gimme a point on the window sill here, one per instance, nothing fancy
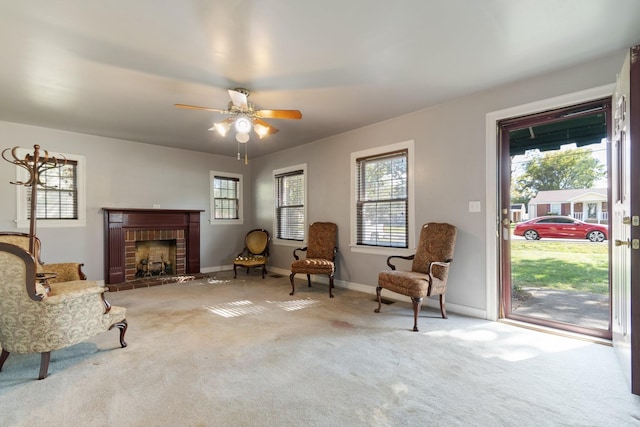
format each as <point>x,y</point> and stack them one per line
<point>381,250</point>
<point>226,221</point>
<point>291,243</point>
<point>52,223</point>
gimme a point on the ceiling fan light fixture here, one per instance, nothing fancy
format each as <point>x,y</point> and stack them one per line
<point>262,131</point>
<point>242,137</point>
<point>221,127</point>
<point>242,124</point>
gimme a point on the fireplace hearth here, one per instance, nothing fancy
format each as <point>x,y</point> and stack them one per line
<point>150,229</point>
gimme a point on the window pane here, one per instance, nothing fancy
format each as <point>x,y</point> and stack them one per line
<point>290,206</point>
<point>226,196</point>
<point>382,204</point>
<point>57,198</point>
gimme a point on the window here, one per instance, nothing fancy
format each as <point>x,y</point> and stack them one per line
<point>290,204</point>
<point>382,202</point>
<point>555,209</point>
<point>61,198</point>
<point>226,198</point>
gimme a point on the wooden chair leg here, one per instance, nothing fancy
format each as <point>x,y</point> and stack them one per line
<point>3,358</point>
<point>417,305</point>
<point>235,273</point>
<point>331,286</point>
<point>378,292</point>
<point>443,311</point>
<point>44,364</point>
<point>264,270</point>
<point>123,330</point>
<point>309,280</point>
<point>293,287</point>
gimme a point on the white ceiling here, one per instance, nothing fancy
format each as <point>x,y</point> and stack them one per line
<point>115,68</point>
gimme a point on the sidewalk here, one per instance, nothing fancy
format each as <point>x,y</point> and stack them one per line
<point>579,308</point>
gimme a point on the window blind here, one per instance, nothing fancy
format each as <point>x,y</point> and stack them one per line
<point>57,198</point>
<point>226,197</point>
<point>382,200</point>
<point>290,205</point>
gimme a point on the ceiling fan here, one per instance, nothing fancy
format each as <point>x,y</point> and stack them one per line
<point>245,117</point>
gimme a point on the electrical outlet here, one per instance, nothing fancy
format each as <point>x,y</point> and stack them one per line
<point>474,206</point>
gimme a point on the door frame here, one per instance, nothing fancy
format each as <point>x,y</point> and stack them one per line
<point>557,116</point>
<point>492,153</point>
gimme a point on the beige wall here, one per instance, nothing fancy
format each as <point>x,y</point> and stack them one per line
<point>451,167</point>
<point>450,162</point>
<point>123,174</point>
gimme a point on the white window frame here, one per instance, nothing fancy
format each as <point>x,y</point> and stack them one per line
<point>411,225</point>
<point>275,240</point>
<point>22,210</point>
<point>555,208</point>
<point>212,220</point>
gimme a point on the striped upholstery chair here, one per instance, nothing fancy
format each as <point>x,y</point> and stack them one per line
<point>321,254</point>
<point>429,270</point>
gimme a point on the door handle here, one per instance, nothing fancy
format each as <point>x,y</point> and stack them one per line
<point>622,242</point>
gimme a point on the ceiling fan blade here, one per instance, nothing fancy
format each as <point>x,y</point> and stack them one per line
<point>195,107</point>
<point>279,114</point>
<point>238,99</point>
<point>263,128</point>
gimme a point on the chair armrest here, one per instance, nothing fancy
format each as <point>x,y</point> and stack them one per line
<point>298,249</point>
<point>72,294</point>
<point>65,271</point>
<point>244,251</point>
<point>444,264</point>
<point>393,267</point>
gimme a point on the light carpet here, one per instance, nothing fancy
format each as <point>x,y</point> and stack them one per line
<point>225,352</point>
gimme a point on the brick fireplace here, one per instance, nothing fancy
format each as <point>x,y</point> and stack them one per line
<point>124,227</point>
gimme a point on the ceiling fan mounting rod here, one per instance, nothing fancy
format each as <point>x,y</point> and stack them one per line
<point>243,91</point>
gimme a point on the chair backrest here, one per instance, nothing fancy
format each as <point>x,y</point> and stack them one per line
<point>323,238</point>
<point>437,242</point>
<point>17,285</point>
<point>257,241</point>
<point>22,240</point>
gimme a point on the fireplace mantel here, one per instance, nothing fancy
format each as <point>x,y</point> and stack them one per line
<point>121,224</point>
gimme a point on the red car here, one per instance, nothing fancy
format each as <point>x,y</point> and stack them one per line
<point>560,227</point>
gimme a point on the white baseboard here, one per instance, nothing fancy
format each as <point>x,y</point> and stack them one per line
<point>368,289</point>
<point>216,269</point>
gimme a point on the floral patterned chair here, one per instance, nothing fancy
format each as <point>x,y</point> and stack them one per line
<point>429,270</point>
<point>321,254</point>
<point>255,253</point>
<point>63,272</point>
<point>36,320</point>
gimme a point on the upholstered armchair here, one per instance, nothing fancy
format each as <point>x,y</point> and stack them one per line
<point>36,319</point>
<point>255,253</point>
<point>321,254</point>
<point>429,269</point>
<point>63,272</point>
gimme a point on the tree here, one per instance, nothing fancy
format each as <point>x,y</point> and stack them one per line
<point>557,170</point>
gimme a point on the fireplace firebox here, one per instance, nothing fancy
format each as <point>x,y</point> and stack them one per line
<point>124,228</point>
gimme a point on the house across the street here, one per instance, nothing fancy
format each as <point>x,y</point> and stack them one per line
<point>589,204</point>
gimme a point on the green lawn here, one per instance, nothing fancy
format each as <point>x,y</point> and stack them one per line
<point>560,265</point>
